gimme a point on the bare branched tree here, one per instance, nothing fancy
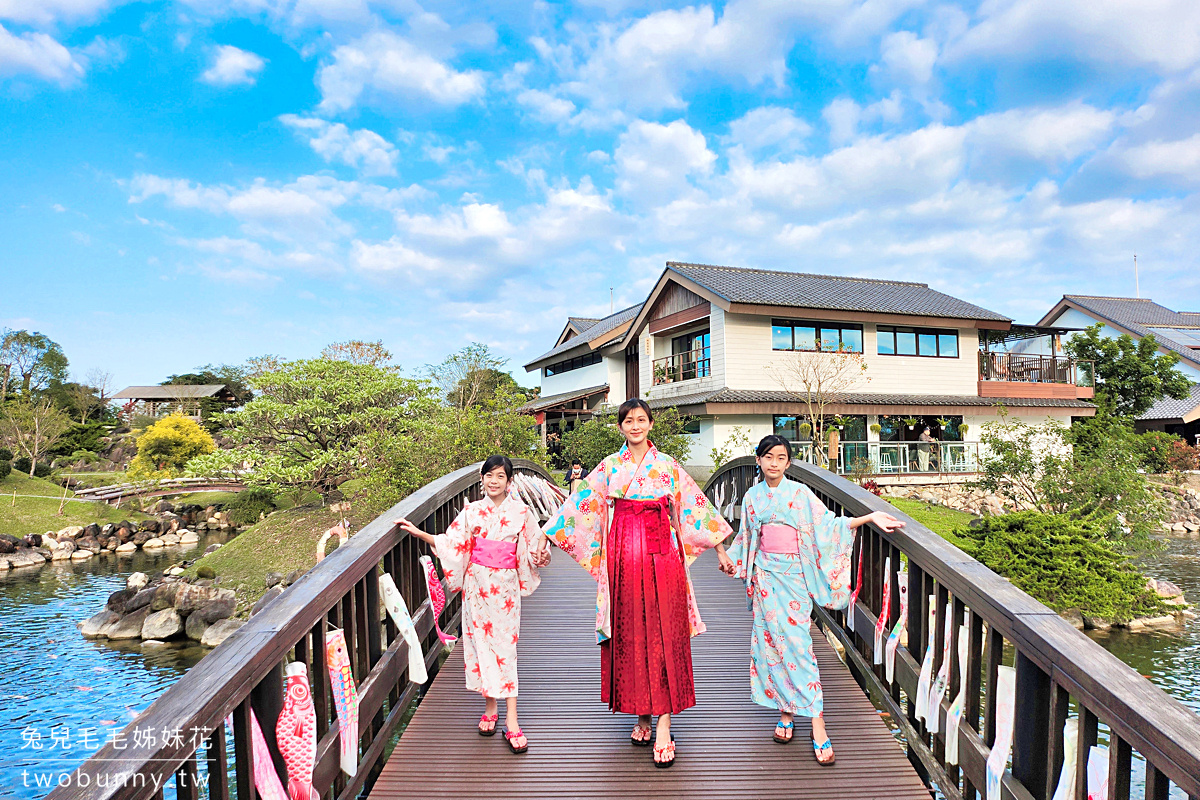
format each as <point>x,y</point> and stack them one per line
<point>465,376</point>
<point>816,379</point>
<point>356,351</point>
<point>101,382</point>
<point>32,427</point>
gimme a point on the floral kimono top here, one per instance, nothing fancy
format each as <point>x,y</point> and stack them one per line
<point>826,540</point>
<point>511,521</point>
<point>581,526</point>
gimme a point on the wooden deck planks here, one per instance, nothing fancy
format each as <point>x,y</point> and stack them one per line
<point>578,749</point>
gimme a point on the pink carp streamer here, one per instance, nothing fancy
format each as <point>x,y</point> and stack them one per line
<point>345,698</point>
<point>437,598</point>
<point>854,594</point>
<point>881,620</point>
<point>266,779</point>
<point>296,733</point>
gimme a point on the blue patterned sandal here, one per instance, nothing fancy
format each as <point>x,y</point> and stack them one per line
<point>786,727</point>
<point>820,748</point>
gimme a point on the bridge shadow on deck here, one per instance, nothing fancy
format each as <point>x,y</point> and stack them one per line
<point>578,749</point>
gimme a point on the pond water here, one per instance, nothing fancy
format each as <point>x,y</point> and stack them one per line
<point>61,691</point>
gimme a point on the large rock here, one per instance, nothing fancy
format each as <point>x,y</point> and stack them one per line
<point>98,625</point>
<point>130,625</point>
<point>33,540</point>
<point>268,597</point>
<point>137,581</point>
<point>117,601</point>
<point>170,539</point>
<point>81,555</point>
<point>93,530</point>
<point>220,631</point>
<point>153,544</point>
<point>5,565</point>
<point>124,535</point>
<point>141,537</point>
<point>8,544</point>
<point>221,606</point>
<point>64,550</point>
<point>140,600</point>
<point>128,547</point>
<point>164,596</point>
<point>149,525</point>
<point>188,537</point>
<point>162,624</point>
<point>25,557</point>
<point>190,597</point>
<point>195,626</point>
<point>88,543</point>
<point>71,531</point>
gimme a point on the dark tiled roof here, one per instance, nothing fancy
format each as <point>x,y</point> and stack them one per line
<point>549,401</point>
<point>867,399</point>
<point>170,392</point>
<point>1170,408</point>
<point>1141,316</point>
<point>594,332</point>
<point>582,323</point>
<point>833,292</point>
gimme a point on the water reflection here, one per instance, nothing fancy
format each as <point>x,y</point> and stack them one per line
<point>63,692</point>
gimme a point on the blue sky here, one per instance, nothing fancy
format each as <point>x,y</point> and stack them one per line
<point>210,180</point>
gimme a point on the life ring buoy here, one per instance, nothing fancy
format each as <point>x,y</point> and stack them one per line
<point>341,530</point>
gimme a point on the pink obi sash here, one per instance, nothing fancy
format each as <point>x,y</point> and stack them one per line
<point>776,538</point>
<point>493,553</point>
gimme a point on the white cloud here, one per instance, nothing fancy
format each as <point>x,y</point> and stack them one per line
<point>1158,159</point>
<point>232,66</point>
<point>767,127</point>
<point>908,57</point>
<point>1162,34</point>
<point>843,115</point>
<point>1048,135</point>
<point>386,64</point>
<point>38,55</point>
<point>362,149</point>
<point>546,106</point>
<point>48,12</point>
<point>655,162</point>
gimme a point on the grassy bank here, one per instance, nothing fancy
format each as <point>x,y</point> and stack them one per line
<point>283,542</point>
<point>939,519</point>
<point>38,512</point>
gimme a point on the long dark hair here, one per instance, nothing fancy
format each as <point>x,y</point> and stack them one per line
<point>497,461</point>
<point>629,405</point>
<point>772,441</point>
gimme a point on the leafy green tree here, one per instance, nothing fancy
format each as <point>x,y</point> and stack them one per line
<point>31,358</point>
<point>32,427</point>
<point>304,429</point>
<point>1131,375</point>
<point>600,437</point>
<point>473,375</point>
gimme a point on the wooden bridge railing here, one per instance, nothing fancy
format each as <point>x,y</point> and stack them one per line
<point>186,724</point>
<point>1057,667</point>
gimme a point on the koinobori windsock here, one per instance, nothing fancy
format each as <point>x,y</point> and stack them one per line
<point>296,733</point>
<point>394,603</point>
<point>345,698</point>
<point>437,598</point>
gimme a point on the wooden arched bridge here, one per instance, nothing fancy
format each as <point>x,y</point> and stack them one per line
<point>116,494</point>
<point>577,749</point>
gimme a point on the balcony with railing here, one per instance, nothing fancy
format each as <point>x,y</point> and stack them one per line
<point>884,459</point>
<point>685,366</point>
<point>1024,362</point>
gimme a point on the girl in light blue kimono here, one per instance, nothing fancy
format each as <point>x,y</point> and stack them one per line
<point>791,551</point>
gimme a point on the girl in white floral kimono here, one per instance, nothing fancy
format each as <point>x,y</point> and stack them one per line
<point>491,552</point>
<point>791,551</point>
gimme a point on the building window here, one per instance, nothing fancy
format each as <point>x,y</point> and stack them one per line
<point>690,353</point>
<point>787,334</point>
<point>854,427</point>
<point>573,363</point>
<point>692,425</point>
<point>928,342</point>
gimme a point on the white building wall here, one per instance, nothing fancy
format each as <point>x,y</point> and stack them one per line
<point>1074,318</point>
<point>582,378</point>
<point>748,355</point>
<point>615,367</point>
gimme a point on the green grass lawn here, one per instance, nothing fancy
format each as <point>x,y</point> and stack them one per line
<point>36,514</point>
<point>939,519</point>
<point>90,480</point>
<point>283,542</point>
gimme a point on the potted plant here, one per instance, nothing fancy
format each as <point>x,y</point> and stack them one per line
<point>876,428</point>
<point>911,422</point>
<point>660,374</point>
<point>962,430</point>
<point>943,423</point>
<point>839,422</point>
<point>805,430</point>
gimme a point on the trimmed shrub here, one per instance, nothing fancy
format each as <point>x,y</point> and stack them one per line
<point>5,469</point>
<point>5,454</point>
<point>22,464</point>
<point>1062,562</point>
<point>41,470</point>
<point>167,446</point>
<point>1154,450</point>
<point>249,504</point>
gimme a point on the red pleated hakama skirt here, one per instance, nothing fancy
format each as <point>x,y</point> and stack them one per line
<point>646,667</point>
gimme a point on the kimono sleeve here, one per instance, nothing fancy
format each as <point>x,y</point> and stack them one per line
<point>828,573</point>
<point>739,551</point>
<point>701,526</point>
<point>528,541</point>
<point>579,526</point>
<point>453,549</point>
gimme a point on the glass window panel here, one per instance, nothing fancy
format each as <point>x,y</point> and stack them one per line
<point>831,339</point>
<point>906,343</point>
<point>692,426</point>
<point>852,340</point>
<point>854,428</point>
<point>889,429</point>
<point>927,344</point>
<point>948,345</point>
<point>786,427</point>
<point>886,340</point>
<point>805,338</point>
<point>781,337</point>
